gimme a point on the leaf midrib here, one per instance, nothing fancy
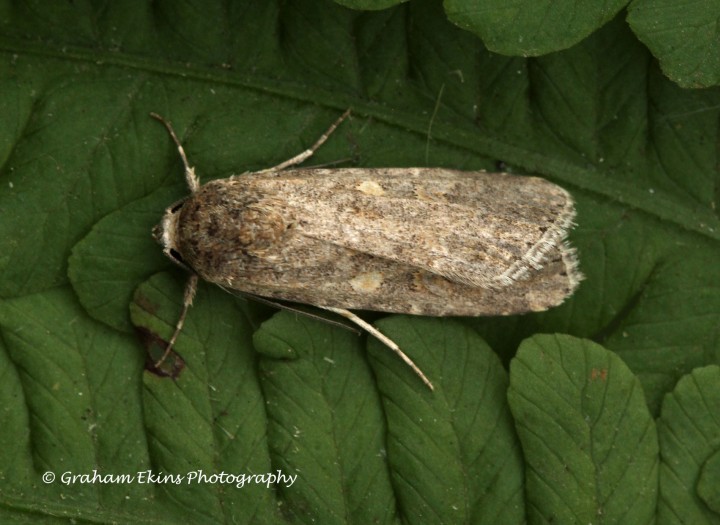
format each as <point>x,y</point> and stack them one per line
<point>458,133</point>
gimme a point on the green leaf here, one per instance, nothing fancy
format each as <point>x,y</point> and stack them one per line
<point>453,452</point>
<point>445,455</point>
<point>709,482</point>
<point>211,418</point>
<point>683,37</point>
<point>324,422</point>
<point>118,250</point>
<point>68,410</point>
<point>587,436</point>
<point>689,433</point>
<point>369,4</point>
<point>531,28</point>
<point>85,174</point>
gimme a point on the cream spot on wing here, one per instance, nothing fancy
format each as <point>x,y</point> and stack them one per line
<point>434,196</point>
<point>367,282</point>
<point>370,187</point>
<point>416,309</point>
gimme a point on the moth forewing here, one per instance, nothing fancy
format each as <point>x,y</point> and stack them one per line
<point>479,229</point>
<point>425,241</point>
<point>361,239</point>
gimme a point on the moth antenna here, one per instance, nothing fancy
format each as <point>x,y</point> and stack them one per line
<point>297,159</point>
<point>192,180</point>
<point>190,290</point>
<point>347,314</point>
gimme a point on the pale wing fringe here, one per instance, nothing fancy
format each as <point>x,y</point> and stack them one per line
<point>537,254</point>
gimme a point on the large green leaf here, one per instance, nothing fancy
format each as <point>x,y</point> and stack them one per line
<point>689,433</point>
<point>529,28</point>
<point>589,441</point>
<point>85,174</point>
<point>684,38</point>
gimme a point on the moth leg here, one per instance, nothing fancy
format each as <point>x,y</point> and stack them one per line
<point>289,308</point>
<point>383,338</point>
<point>193,181</point>
<point>297,159</point>
<point>190,290</point>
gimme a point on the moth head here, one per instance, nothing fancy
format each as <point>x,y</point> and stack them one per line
<point>166,233</point>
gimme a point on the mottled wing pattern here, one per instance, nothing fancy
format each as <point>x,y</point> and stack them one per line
<point>475,228</point>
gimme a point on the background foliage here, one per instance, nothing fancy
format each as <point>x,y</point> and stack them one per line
<point>610,417</point>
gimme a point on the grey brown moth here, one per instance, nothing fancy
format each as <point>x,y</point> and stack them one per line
<point>423,241</point>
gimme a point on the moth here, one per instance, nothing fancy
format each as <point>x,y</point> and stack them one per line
<point>423,241</point>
